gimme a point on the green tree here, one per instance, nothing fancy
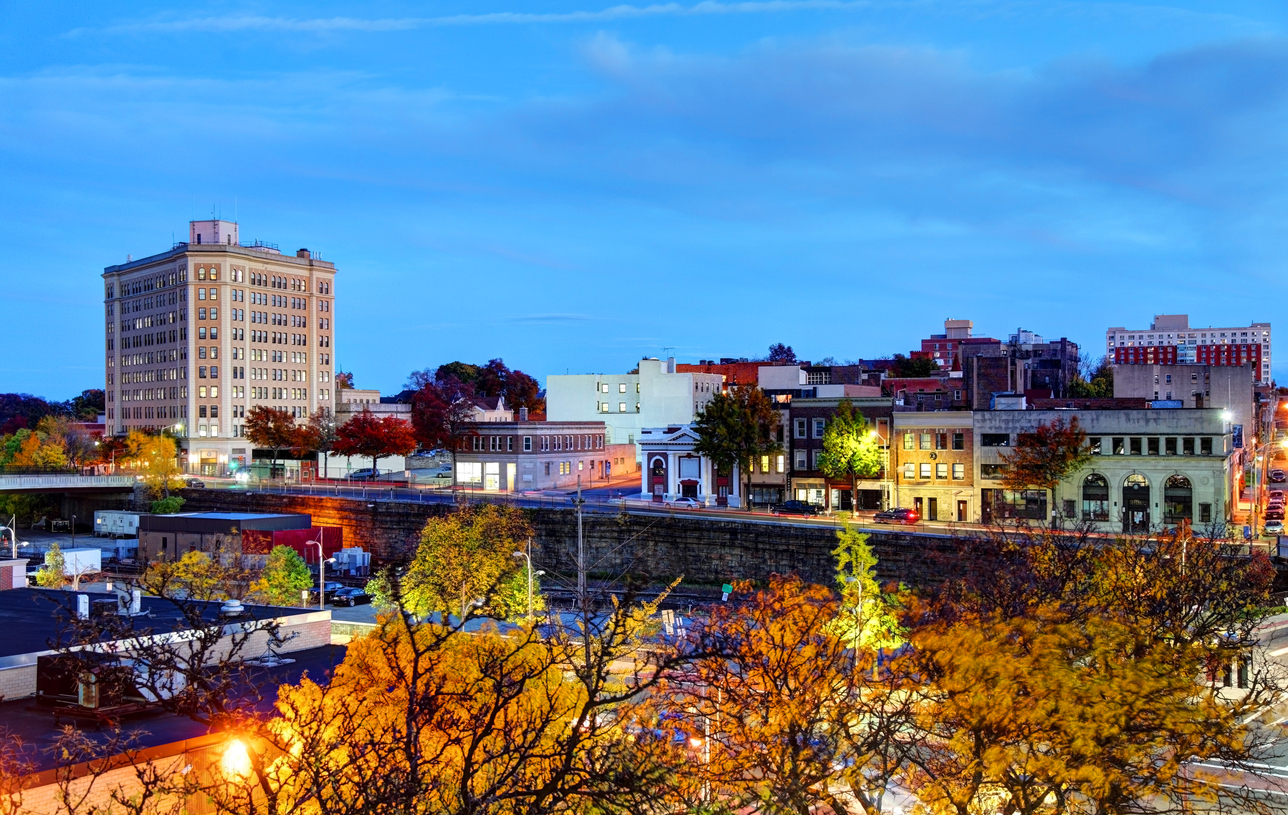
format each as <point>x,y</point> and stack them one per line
<point>914,367</point>
<point>285,577</point>
<point>53,574</point>
<point>867,617</point>
<point>463,556</point>
<point>736,428</point>
<point>850,449</point>
<point>1093,380</point>
<point>194,576</point>
<point>168,506</point>
<point>1045,456</point>
<point>510,600</point>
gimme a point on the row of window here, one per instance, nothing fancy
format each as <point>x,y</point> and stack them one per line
<point>934,441</point>
<point>940,471</point>
<point>602,387</point>
<point>495,443</point>
<point>605,407</point>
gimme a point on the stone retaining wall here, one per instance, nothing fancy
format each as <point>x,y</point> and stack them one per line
<point>707,549</point>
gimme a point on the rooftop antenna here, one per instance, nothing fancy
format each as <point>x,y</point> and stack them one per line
<point>666,349</point>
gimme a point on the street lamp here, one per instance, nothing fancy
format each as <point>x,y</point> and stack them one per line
<point>13,536</point>
<point>527,556</point>
<point>323,560</point>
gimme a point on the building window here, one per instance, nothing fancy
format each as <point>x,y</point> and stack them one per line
<point>991,470</point>
<point>1205,513</point>
<point>925,471</point>
<point>995,440</point>
<point>1093,444</point>
<point>924,441</point>
<point>1119,448</point>
<point>799,460</point>
<point>1205,446</point>
<point>941,471</point>
<point>778,463</point>
<point>1136,447</point>
<point>1153,445</point>
<point>621,387</point>
<point>941,441</point>
<point>909,472</point>
<point>1095,498</point>
<point>1187,446</point>
<point>820,425</point>
<point>909,441</point>
<point>621,407</point>
<point>959,472</point>
<point>509,443</point>
<point>800,428</point>
<point>959,441</point>
<point>527,444</point>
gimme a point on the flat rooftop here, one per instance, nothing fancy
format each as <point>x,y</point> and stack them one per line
<point>36,728</point>
<point>38,620</point>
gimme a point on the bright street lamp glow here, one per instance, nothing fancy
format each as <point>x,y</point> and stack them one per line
<point>236,760</point>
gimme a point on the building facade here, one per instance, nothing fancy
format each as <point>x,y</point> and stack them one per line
<point>1171,340</point>
<point>198,335</point>
<point>672,468</point>
<point>806,424</point>
<point>932,462</point>
<point>522,456</point>
<point>1149,468</point>
<point>656,396</point>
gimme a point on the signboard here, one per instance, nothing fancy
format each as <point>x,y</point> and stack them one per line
<point>726,590</point>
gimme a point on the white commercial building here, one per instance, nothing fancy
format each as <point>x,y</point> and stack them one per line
<point>1170,340</point>
<point>656,396</point>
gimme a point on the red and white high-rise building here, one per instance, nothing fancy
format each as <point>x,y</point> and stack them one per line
<point>1170,340</point>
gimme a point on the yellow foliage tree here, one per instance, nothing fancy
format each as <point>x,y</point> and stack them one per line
<point>156,458</point>
<point>463,557</point>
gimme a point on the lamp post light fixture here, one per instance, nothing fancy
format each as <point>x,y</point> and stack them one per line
<point>527,557</point>
<point>13,536</point>
<point>323,560</point>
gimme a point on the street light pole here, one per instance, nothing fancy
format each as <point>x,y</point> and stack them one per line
<point>527,557</point>
<point>321,573</point>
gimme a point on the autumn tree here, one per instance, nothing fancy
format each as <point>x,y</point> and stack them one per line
<point>284,578</point>
<point>736,428</point>
<point>375,437</point>
<point>782,714</point>
<point>465,556</point>
<point>197,576</point>
<point>1072,674</point>
<point>271,429</point>
<point>913,367</point>
<point>156,459</point>
<point>851,449</point>
<point>1045,456</point>
<point>318,435</point>
<point>442,413</point>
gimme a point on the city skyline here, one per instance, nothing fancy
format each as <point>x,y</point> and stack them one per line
<point>709,178</point>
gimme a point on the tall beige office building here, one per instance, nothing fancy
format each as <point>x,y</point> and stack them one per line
<point>198,335</point>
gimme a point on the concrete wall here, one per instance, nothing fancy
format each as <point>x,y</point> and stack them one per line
<point>702,550</point>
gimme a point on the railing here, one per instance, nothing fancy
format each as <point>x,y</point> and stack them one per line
<point>20,470</point>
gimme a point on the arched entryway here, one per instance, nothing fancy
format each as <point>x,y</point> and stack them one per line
<point>1095,498</point>
<point>657,478</point>
<point>1178,500</point>
<point>1136,504</point>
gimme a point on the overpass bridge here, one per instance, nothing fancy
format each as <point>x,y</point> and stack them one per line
<point>64,483</point>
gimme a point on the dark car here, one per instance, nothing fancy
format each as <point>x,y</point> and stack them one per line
<point>796,508</point>
<point>1275,514</point>
<point>349,596</point>
<point>1278,476</point>
<point>897,516</point>
<point>194,483</point>
<point>329,588</point>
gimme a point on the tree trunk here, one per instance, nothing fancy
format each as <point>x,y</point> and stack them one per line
<point>854,495</point>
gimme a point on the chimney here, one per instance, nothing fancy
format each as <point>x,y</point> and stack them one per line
<point>670,365</point>
<point>523,414</point>
<point>82,606</point>
<point>303,253</point>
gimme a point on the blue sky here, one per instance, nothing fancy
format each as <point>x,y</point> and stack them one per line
<point>572,186</point>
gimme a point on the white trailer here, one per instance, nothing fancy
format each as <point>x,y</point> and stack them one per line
<point>113,523</point>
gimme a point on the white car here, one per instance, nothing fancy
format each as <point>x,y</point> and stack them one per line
<point>1274,527</point>
<point>682,503</point>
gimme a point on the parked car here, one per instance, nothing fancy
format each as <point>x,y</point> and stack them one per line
<point>1278,476</point>
<point>1274,527</point>
<point>897,516</point>
<point>194,483</point>
<point>1276,493</point>
<point>682,503</point>
<point>796,508</point>
<point>351,597</point>
<point>329,588</point>
<point>1275,514</point>
<point>365,474</point>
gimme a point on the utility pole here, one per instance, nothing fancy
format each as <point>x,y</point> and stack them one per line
<point>583,598</point>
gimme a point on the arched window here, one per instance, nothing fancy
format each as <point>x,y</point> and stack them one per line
<point>1178,500</point>
<point>1095,498</point>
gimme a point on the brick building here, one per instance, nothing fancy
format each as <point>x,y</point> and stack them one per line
<point>1171,340</point>
<point>932,461</point>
